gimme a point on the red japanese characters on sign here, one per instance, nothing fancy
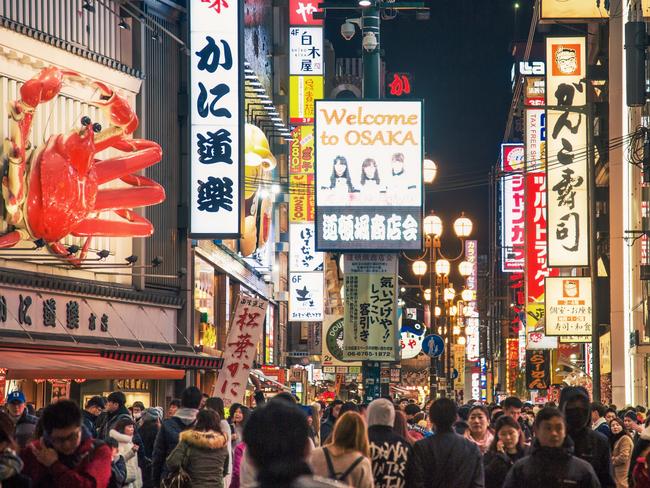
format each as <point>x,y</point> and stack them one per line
<point>243,337</point>
<point>512,359</point>
<point>216,5</point>
<point>301,12</point>
<point>398,84</point>
<point>512,207</point>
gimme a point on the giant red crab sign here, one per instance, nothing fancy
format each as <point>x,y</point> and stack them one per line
<point>53,191</point>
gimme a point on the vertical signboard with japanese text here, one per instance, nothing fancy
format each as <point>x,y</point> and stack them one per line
<point>368,175</point>
<point>302,248</point>
<point>216,92</point>
<point>567,152</point>
<point>512,208</point>
<point>512,364</point>
<point>306,51</point>
<point>370,332</point>
<point>306,297</point>
<point>301,175</point>
<point>472,321</point>
<point>568,306</point>
<point>538,369</point>
<point>241,345</point>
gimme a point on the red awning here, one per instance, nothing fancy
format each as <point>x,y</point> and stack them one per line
<point>39,364</point>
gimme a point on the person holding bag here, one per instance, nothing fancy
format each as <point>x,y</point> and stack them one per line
<point>347,457</point>
<point>201,456</point>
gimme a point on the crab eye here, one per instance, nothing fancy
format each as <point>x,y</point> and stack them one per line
<point>97,127</point>
<point>85,120</point>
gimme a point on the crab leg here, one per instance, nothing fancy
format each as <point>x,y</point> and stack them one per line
<point>147,192</point>
<point>40,89</point>
<point>135,226</point>
<point>143,153</point>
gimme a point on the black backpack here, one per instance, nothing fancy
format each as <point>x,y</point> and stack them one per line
<point>332,474</point>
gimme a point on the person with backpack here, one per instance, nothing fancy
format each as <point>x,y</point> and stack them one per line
<point>170,430</point>
<point>66,455</point>
<point>346,457</point>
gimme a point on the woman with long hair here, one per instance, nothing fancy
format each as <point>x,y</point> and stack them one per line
<point>479,427</point>
<point>123,432</point>
<point>370,181</point>
<point>400,427</point>
<point>202,451</point>
<point>621,445</point>
<point>238,415</point>
<point>347,457</point>
<point>340,179</point>
<point>506,448</point>
<point>216,404</point>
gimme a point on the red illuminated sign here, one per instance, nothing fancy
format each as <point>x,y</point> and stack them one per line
<point>301,12</point>
<point>398,85</point>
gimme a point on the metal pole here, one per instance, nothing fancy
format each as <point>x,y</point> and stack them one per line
<point>593,269</point>
<point>371,60</point>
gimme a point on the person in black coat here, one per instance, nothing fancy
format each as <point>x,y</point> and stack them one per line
<point>551,462</point>
<point>506,449</point>
<point>327,426</point>
<point>389,452</point>
<point>445,459</point>
<point>92,410</point>
<point>148,428</point>
<point>589,445</point>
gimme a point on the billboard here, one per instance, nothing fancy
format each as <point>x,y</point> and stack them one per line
<point>472,321</point>
<point>332,341</point>
<point>302,248</point>
<point>573,10</point>
<point>241,348</point>
<point>216,92</point>
<point>305,297</point>
<point>567,152</point>
<point>303,92</point>
<point>301,12</point>
<point>538,370</point>
<point>371,332</point>
<point>368,175</point>
<point>568,306</point>
<point>512,208</point>
<point>301,155</point>
<point>305,50</point>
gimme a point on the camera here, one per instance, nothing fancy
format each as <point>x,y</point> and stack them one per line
<point>347,30</point>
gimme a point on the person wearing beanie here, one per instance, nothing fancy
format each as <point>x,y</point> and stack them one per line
<point>389,452</point>
<point>631,422</point>
<point>115,411</point>
<point>147,430</point>
<point>589,445</point>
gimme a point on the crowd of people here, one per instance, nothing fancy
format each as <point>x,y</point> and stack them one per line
<point>281,444</point>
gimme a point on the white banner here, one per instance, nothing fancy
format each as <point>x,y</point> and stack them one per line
<point>371,307</point>
<point>568,306</point>
<point>567,153</point>
<point>302,248</point>
<point>241,346</point>
<point>368,175</point>
<point>216,146</point>
<point>306,297</point>
<point>305,50</point>
<point>512,208</point>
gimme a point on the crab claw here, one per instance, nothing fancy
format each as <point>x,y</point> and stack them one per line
<point>45,86</point>
<point>117,108</point>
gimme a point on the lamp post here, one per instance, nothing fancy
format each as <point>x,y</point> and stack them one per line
<point>440,293</point>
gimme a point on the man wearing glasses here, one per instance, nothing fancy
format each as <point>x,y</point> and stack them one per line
<point>66,455</point>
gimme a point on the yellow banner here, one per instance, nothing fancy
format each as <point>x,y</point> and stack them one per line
<point>303,91</point>
<point>301,157</point>
<point>301,198</point>
<point>459,365</point>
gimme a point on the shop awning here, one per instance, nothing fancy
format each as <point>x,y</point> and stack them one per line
<point>182,361</point>
<point>39,364</point>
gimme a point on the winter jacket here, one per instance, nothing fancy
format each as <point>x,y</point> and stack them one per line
<point>640,474</point>
<point>389,453</point>
<point>25,425</point>
<point>601,426</point>
<point>238,454</point>
<point>147,433</point>
<point>118,473</point>
<point>88,467</point>
<point>133,475</point>
<point>589,445</point>
<point>107,421</point>
<point>621,455</point>
<point>203,455</point>
<point>10,467</point>
<point>551,467</point>
<point>497,464</point>
<point>447,460</point>
<point>90,423</point>
<point>167,439</point>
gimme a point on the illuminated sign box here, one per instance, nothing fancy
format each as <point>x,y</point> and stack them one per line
<point>368,175</point>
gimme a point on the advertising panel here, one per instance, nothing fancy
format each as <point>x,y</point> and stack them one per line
<point>512,208</point>
<point>538,370</point>
<point>472,321</point>
<point>302,205</point>
<point>572,10</point>
<point>241,345</point>
<point>575,339</point>
<point>399,85</point>
<point>216,89</point>
<point>371,331</point>
<point>459,365</point>
<point>512,364</point>
<point>567,152</point>
<point>605,353</point>
<point>568,306</point>
<point>368,175</point>
<point>303,91</point>
<point>534,91</point>
<point>332,342</point>
<point>301,159</point>
<point>305,50</point>
<point>305,297</point>
<point>302,248</point>
<point>301,12</point>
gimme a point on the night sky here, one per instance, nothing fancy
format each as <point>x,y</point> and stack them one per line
<point>460,60</point>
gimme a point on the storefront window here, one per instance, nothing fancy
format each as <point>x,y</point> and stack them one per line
<point>204,290</point>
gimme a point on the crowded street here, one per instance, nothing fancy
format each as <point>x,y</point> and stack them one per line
<point>304,243</point>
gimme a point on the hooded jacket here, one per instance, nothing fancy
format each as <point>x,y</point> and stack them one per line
<point>203,455</point>
<point>548,467</point>
<point>133,477</point>
<point>497,464</point>
<point>445,460</point>
<point>588,444</point>
<point>167,438</point>
<point>107,421</point>
<point>389,453</point>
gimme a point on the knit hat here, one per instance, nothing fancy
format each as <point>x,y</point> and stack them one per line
<point>381,412</point>
<point>117,397</point>
<point>152,413</point>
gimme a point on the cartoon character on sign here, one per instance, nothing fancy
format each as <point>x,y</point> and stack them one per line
<point>56,190</point>
<point>259,164</point>
<point>411,337</point>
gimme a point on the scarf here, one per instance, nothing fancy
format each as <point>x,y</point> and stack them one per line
<point>483,444</point>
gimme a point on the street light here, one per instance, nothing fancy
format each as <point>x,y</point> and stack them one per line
<point>467,295</point>
<point>419,268</point>
<point>465,268</point>
<point>449,294</point>
<point>463,226</point>
<point>432,225</point>
<point>430,171</point>
<point>442,267</point>
<point>427,294</point>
